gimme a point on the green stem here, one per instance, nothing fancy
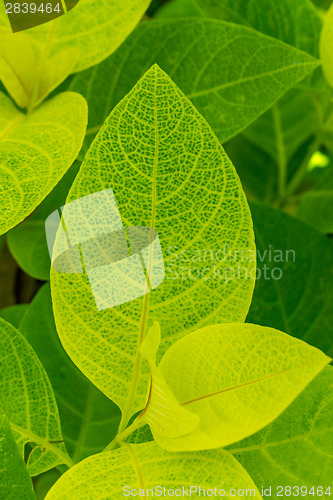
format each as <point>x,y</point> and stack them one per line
<point>299,175</point>
<point>122,436</point>
<point>282,164</point>
<point>126,414</point>
<point>44,443</point>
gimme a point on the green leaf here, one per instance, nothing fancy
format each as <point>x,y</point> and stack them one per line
<point>296,449</point>
<point>322,4</point>
<point>146,466</point>
<point>245,73</point>
<point>326,133</point>
<point>153,141</point>
<point>296,296</point>
<point>256,168</point>
<point>14,314</point>
<point>164,414</point>
<point>89,419</point>
<point>286,126</point>
<point>326,46</point>
<point>178,8</point>
<point>237,378</point>
<point>27,399</point>
<point>15,482</point>
<point>316,208</point>
<point>42,57</point>
<point>291,121</point>
<point>27,243</point>
<point>295,22</point>
<point>35,152</point>
<point>27,79</point>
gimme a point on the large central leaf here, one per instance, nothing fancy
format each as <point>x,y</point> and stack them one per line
<point>167,170</point>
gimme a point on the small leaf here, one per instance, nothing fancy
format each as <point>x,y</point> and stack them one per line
<point>153,141</point>
<point>43,56</point>
<point>89,419</point>
<point>15,482</point>
<point>163,412</point>
<point>326,46</point>
<point>144,466</point>
<point>26,79</point>
<point>245,74</point>
<point>35,152</point>
<point>294,291</point>
<point>26,397</point>
<point>27,243</point>
<point>237,378</point>
<point>296,449</point>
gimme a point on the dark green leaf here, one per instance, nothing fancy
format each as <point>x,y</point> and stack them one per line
<point>244,74</point>
<point>296,449</point>
<point>299,300</point>
<point>15,482</point>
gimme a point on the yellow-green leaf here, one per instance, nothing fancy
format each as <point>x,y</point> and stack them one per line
<point>28,79</point>
<point>164,414</point>
<point>237,378</point>
<point>36,150</point>
<point>143,466</point>
<point>168,171</point>
<point>45,55</point>
<point>27,399</point>
<point>326,46</point>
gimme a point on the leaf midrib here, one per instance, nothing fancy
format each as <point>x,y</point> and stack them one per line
<point>277,443</point>
<point>203,92</point>
<point>251,382</point>
<point>144,318</point>
<point>31,436</point>
<point>136,466</point>
<point>12,125</point>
